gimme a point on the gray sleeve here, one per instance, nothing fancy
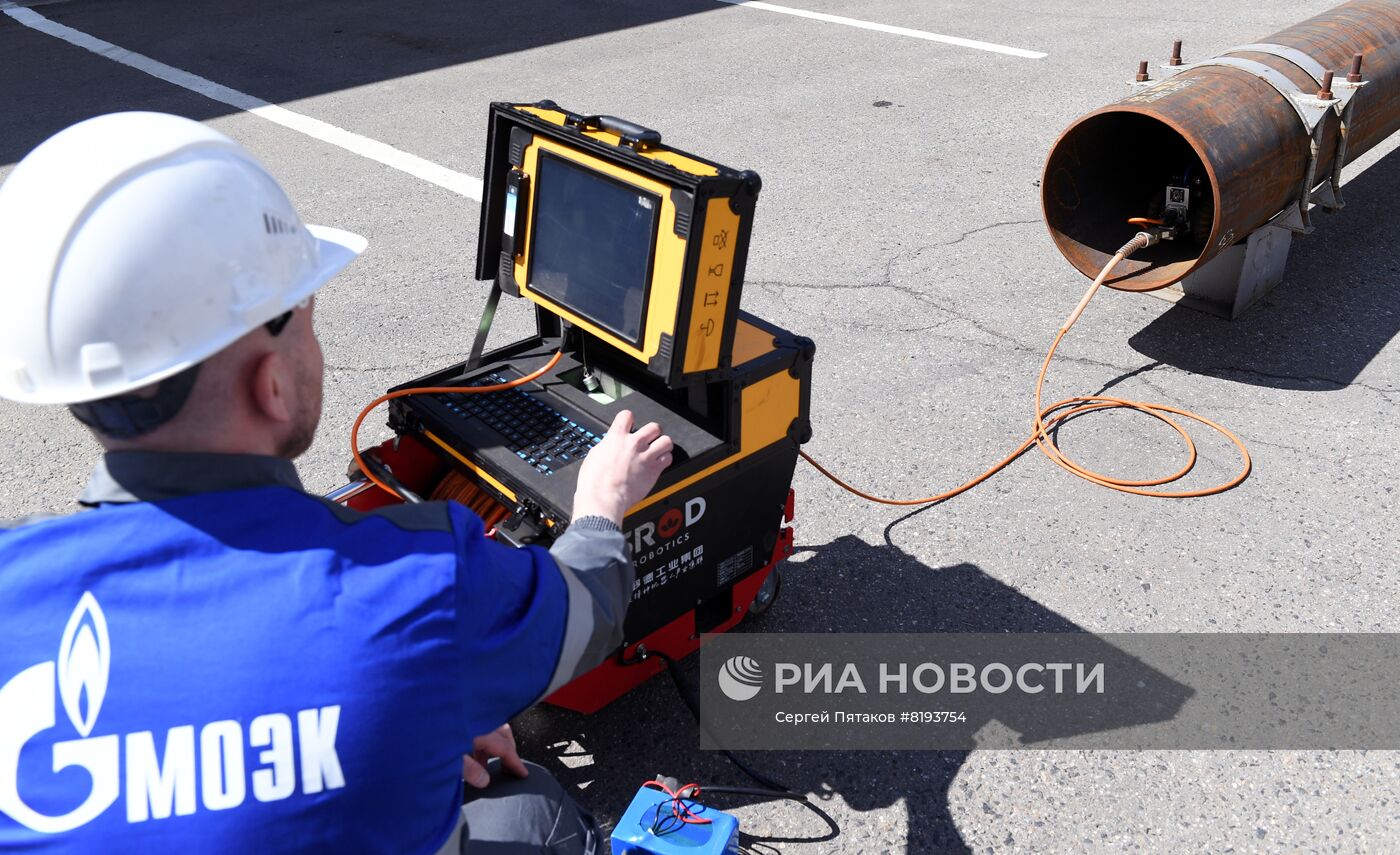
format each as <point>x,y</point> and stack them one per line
<point>597,569</point>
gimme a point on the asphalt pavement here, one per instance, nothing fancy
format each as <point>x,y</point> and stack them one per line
<point>899,227</point>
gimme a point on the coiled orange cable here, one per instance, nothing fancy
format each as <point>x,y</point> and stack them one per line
<point>456,487</point>
<point>1048,418</point>
<point>432,390</point>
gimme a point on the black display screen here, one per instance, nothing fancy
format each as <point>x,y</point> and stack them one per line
<point>592,246</point>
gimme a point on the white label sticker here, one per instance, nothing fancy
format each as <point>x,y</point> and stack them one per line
<point>735,565</point>
<point>511,195</point>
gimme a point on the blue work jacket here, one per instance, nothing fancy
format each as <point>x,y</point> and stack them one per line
<point>212,659</point>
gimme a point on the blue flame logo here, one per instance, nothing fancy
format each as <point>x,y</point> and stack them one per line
<point>28,707</point>
<point>84,663</point>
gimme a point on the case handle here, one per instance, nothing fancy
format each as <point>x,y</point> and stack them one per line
<point>633,134</point>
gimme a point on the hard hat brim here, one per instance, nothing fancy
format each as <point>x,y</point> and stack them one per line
<point>337,249</point>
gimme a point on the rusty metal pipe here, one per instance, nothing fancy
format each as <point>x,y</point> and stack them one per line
<point>1244,146</point>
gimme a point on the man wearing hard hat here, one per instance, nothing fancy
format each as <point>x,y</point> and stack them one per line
<point>208,658</point>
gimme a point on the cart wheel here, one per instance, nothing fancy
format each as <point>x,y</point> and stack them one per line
<point>767,593</point>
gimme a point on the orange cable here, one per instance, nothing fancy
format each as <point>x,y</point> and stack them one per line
<point>1047,418</point>
<point>458,488</point>
<point>1146,221</point>
<point>431,390</point>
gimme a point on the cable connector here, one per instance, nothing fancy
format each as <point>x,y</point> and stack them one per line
<point>1142,240</point>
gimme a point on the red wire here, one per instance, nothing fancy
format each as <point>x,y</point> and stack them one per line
<point>694,796</point>
<point>678,802</point>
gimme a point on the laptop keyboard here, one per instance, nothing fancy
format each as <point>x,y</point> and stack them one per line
<point>538,434</point>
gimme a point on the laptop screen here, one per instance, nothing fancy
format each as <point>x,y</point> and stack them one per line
<point>594,238</point>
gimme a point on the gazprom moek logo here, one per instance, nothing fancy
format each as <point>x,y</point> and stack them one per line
<point>218,776</point>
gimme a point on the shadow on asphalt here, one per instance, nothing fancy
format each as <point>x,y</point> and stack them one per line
<point>844,586</point>
<point>1337,308</point>
<point>280,51</point>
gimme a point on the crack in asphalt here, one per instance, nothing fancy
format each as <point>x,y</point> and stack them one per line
<point>952,315</point>
<point>1332,384</point>
<point>967,234</point>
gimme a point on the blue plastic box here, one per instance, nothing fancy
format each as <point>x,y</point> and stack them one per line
<point>633,834</point>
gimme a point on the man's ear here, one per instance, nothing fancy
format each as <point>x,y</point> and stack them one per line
<point>272,387</point>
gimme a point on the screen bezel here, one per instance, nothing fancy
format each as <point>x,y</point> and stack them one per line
<point>535,184</point>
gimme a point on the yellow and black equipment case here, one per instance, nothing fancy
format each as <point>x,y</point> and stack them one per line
<point>732,391</point>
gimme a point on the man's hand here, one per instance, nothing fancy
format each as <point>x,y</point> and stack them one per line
<point>498,743</point>
<point>621,470</point>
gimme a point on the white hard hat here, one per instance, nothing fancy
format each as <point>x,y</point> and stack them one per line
<point>135,245</point>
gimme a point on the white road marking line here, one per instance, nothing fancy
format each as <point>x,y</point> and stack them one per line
<point>11,4</point>
<point>384,153</point>
<point>886,28</point>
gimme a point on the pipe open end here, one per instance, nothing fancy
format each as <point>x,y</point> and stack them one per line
<point>1114,165</point>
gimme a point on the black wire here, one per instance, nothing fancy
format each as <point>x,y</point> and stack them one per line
<point>382,471</point>
<point>754,791</point>
<point>832,829</point>
<point>671,822</point>
<point>774,789</point>
<point>693,704</point>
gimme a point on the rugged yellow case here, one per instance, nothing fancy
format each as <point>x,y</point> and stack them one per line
<point>697,269</point>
